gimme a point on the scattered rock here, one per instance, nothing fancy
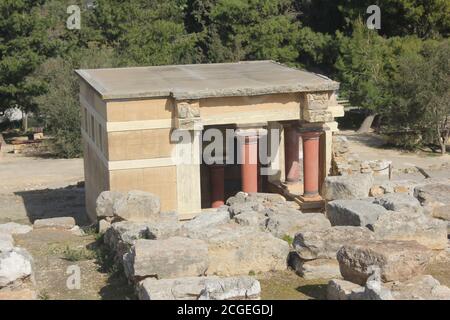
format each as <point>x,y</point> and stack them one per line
<point>405,225</point>
<point>103,225</point>
<point>423,287</point>
<point>105,203</point>
<point>266,197</point>
<point>259,202</point>
<point>232,288</point>
<point>199,288</point>
<point>397,260</point>
<point>399,201</point>
<point>291,223</point>
<point>170,258</point>
<point>347,187</point>
<point>240,250</point>
<point>122,235</point>
<point>6,242</point>
<point>251,218</point>
<point>15,265</point>
<point>15,228</point>
<point>435,197</point>
<point>60,223</point>
<point>315,269</point>
<point>353,213</point>
<point>376,191</point>
<point>325,243</point>
<point>76,230</point>
<point>138,206</point>
<point>338,289</point>
<point>163,229</point>
<point>205,221</point>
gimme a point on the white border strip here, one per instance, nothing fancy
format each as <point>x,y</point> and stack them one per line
<point>140,164</point>
<point>138,125</point>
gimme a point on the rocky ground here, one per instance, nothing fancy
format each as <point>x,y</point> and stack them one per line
<point>258,246</point>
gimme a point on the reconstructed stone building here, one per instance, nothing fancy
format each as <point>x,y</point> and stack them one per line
<point>129,115</point>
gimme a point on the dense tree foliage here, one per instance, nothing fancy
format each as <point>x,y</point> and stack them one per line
<point>38,52</point>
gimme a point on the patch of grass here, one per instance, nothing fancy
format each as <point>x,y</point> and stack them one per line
<point>288,239</point>
<point>43,295</point>
<point>77,254</point>
<point>252,273</point>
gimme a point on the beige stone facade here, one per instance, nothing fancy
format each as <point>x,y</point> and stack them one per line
<point>126,126</point>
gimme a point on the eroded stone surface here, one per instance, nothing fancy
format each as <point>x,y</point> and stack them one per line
<point>407,225</point>
<point>6,242</point>
<point>353,213</point>
<point>347,187</point>
<point>138,206</point>
<point>325,244</point>
<point>15,265</point>
<point>237,251</point>
<point>14,228</point>
<point>399,201</point>
<point>200,288</point>
<point>105,203</point>
<point>205,221</point>
<point>170,258</point>
<point>61,223</point>
<point>435,197</point>
<point>291,223</point>
<point>396,260</point>
<point>315,269</point>
<point>423,287</point>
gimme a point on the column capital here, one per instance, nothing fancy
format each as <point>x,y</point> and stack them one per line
<point>251,132</point>
<point>311,134</point>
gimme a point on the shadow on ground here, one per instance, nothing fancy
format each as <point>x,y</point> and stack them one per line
<point>315,291</point>
<point>51,203</point>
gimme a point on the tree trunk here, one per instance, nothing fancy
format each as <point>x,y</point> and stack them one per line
<point>443,142</point>
<point>367,124</point>
<point>24,121</point>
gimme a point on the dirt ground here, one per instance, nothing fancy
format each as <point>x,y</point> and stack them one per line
<point>371,146</point>
<point>33,187</point>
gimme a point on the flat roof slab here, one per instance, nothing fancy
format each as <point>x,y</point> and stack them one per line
<point>195,81</point>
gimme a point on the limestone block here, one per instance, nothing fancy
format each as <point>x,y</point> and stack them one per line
<point>423,287</point>
<point>251,218</point>
<point>61,223</point>
<point>188,109</point>
<point>347,187</point>
<point>353,213</point>
<point>105,203</point>
<point>396,260</point>
<point>204,221</point>
<point>15,265</point>
<point>435,197</point>
<point>407,225</point>
<point>240,250</point>
<point>138,206</point>
<point>6,242</point>
<point>324,244</point>
<point>170,258</point>
<point>317,115</point>
<point>291,223</point>
<point>200,288</point>
<point>399,201</point>
<point>315,269</point>
<point>14,228</point>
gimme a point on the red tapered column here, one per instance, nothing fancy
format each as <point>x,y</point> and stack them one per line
<point>249,166</point>
<point>291,149</point>
<point>311,163</point>
<point>217,185</point>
